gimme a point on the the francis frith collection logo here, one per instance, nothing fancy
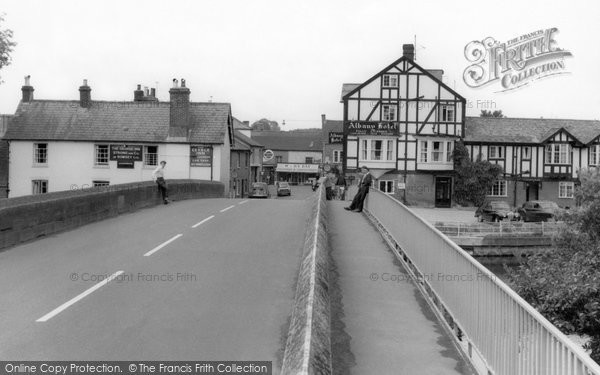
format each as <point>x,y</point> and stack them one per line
<point>514,63</point>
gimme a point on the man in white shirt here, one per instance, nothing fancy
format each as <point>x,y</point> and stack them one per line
<point>159,176</point>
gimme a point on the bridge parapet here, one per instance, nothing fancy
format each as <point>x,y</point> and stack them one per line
<point>496,329</point>
<point>26,218</point>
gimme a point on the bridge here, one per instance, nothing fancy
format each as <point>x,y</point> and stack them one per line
<point>112,275</point>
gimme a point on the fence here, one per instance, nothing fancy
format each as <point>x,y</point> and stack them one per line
<point>509,228</point>
<point>497,329</point>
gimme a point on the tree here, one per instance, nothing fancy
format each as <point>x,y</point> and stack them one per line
<point>473,178</point>
<point>265,124</point>
<point>486,113</point>
<point>6,45</point>
<point>563,283</point>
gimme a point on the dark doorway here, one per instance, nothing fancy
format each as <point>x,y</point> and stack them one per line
<point>443,191</point>
<point>532,192</point>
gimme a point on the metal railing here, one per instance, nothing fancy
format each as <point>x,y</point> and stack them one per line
<point>508,228</point>
<point>495,327</point>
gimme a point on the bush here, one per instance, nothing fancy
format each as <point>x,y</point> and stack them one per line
<point>563,284</point>
<point>473,178</point>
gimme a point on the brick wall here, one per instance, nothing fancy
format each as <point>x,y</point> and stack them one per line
<point>27,218</point>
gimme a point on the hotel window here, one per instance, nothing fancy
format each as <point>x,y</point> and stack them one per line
<point>565,189</point>
<point>595,155</point>
<point>496,152</point>
<point>337,156</point>
<point>389,112</point>
<point>279,159</point>
<point>40,153</point>
<point>390,80</point>
<point>435,151</point>
<point>558,153</point>
<point>447,113</point>
<point>498,189</point>
<point>99,183</point>
<point>377,149</point>
<point>449,149</point>
<point>309,160</point>
<point>423,158</point>
<point>386,186</point>
<point>101,155</point>
<point>151,155</point>
<point>526,153</point>
<point>39,187</point>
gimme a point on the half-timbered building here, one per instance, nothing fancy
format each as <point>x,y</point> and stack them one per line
<point>402,123</point>
<point>540,157</point>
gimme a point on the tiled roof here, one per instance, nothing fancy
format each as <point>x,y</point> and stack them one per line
<point>526,130</point>
<point>237,124</point>
<point>247,140</point>
<point>114,121</point>
<point>290,140</point>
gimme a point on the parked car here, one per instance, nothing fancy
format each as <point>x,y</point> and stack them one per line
<point>283,188</point>
<point>495,211</point>
<point>539,211</point>
<point>259,190</point>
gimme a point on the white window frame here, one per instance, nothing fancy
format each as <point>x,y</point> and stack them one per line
<point>337,156</point>
<point>556,151</point>
<point>388,112</point>
<point>498,189</point>
<point>595,155</point>
<point>447,113</point>
<point>388,186</point>
<point>566,189</point>
<point>150,158</point>
<point>443,152</point>
<point>39,187</point>
<point>40,154</point>
<point>389,80</point>
<point>98,157</point>
<point>499,152</point>
<point>368,149</point>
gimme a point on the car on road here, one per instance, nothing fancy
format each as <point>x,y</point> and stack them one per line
<point>259,190</point>
<point>283,188</point>
<point>539,211</point>
<point>495,211</point>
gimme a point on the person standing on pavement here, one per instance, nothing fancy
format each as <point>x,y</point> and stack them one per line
<point>363,189</point>
<point>340,184</point>
<point>329,184</point>
<point>159,177</point>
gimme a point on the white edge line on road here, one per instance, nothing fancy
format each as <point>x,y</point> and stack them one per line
<point>203,221</point>
<point>227,208</point>
<point>65,305</point>
<point>162,245</point>
<point>242,202</point>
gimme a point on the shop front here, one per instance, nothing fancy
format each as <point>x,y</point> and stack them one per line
<point>296,173</point>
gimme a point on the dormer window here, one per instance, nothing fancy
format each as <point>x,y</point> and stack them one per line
<point>390,80</point>
<point>558,153</point>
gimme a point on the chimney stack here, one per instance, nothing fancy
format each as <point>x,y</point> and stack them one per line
<point>85,95</point>
<point>27,90</point>
<point>179,116</point>
<point>323,120</point>
<point>408,51</point>
<point>138,94</point>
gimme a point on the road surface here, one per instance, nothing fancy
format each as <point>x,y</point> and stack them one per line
<point>210,279</point>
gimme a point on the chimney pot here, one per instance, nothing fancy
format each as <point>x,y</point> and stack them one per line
<point>153,92</point>
<point>182,82</point>
<point>175,82</point>
<point>146,91</point>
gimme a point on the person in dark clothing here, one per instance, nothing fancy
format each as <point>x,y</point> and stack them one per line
<point>340,184</point>
<point>363,189</point>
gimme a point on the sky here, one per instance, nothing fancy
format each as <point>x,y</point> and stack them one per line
<point>287,60</point>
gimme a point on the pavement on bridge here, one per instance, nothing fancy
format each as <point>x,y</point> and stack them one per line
<point>223,290</point>
<point>382,324</point>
